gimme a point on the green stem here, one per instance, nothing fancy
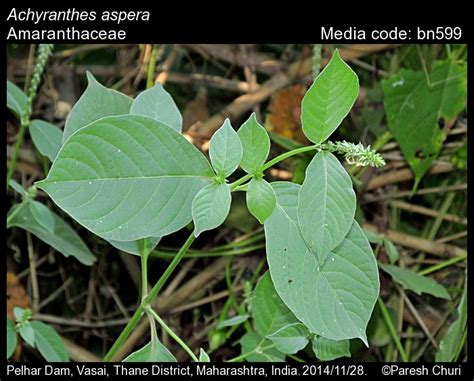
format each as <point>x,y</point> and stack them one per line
<point>144,256</point>
<point>19,141</point>
<point>132,323</point>
<point>272,162</point>
<point>245,355</point>
<point>172,333</point>
<point>442,265</point>
<point>392,330</point>
<point>151,68</point>
<point>210,254</point>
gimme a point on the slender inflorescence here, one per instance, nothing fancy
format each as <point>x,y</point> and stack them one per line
<point>355,154</point>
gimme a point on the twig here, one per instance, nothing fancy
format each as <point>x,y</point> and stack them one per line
<point>55,293</point>
<point>418,318</point>
<point>404,175</point>
<point>428,212</point>
<point>33,274</point>
<point>442,189</point>
<point>210,80</point>
<point>163,76</point>
<point>79,323</point>
<point>412,242</point>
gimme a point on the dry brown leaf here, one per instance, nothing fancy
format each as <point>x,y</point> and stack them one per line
<point>285,113</point>
<point>196,110</point>
<point>16,297</point>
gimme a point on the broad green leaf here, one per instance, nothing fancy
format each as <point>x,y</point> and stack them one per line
<point>236,320</point>
<point>451,345</point>
<point>225,150</point>
<point>95,103</point>
<point>157,104</point>
<point>148,353</point>
<point>291,338</point>
<point>133,247</point>
<point>329,99</point>
<point>127,177</point>
<point>327,350</point>
<point>255,144</point>
<point>261,199</point>
<point>17,187</point>
<point>11,338</point>
<point>211,207</point>
<point>28,334</point>
<point>417,283</point>
<point>334,299</point>
<point>63,238</point>
<point>16,99</point>
<point>42,215</point>
<point>326,204</point>
<point>392,251</point>
<point>257,348</point>
<point>203,356</point>
<point>414,108</point>
<point>49,343</point>
<point>47,138</point>
<point>269,311</point>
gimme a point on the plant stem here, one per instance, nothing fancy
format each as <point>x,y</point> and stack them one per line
<point>151,68</point>
<point>245,355</point>
<point>392,330</point>
<point>442,265</point>
<point>172,333</point>
<point>144,256</point>
<point>43,53</point>
<point>272,162</point>
<point>150,297</point>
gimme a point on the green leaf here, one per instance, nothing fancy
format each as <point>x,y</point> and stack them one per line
<point>326,204</point>
<point>374,237</point>
<point>327,350</point>
<point>157,104</point>
<point>417,283</point>
<point>329,99</point>
<point>133,247</point>
<point>225,150</point>
<point>46,137</point>
<point>42,215</point>
<point>334,299</point>
<point>291,338</point>
<point>203,356</point>
<point>154,351</point>
<point>16,99</point>
<point>236,320</point>
<point>28,334</point>
<point>211,207</point>
<point>392,251</point>
<point>63,238</point>
<point>95,103</point>
<point>414,108</point>
<point>261,199</point>
<point>127,177</point>
<point>451,345</point>
<point>19,314</point>
<point>11,338</point>
<point>17,187</point>
<point>252,342</point>
<point>49,343</point>
<point>269,311</point>
<point>255,143</point>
